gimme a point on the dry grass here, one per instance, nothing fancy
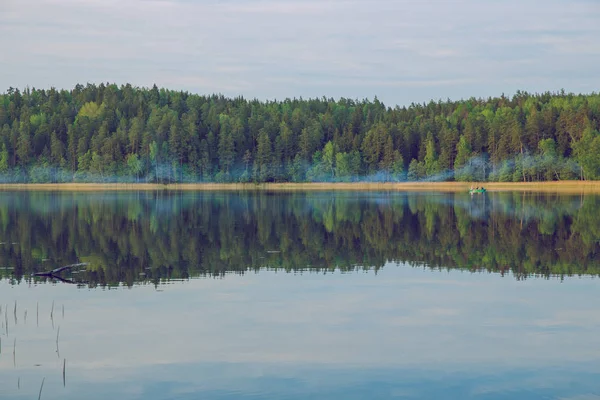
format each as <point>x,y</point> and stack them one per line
<point>549,187</point>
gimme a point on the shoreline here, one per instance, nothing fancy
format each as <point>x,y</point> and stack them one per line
<point>574,187</point>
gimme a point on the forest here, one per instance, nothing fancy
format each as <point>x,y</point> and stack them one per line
<point>151,237</point>
<point>110,133</point>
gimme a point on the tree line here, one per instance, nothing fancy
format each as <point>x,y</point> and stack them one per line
<point>106,133</point>
<point>150,237</point>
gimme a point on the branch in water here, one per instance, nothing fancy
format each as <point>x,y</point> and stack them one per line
<point>53,274</point>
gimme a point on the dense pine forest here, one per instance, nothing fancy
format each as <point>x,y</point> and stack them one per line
<point>107,133</point>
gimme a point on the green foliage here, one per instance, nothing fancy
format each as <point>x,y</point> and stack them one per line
<point>319,171</point>
<point>355,164</point>
<point>37,120</point>
<point>432,166</point>
<point>342,163</point>
<point>507,174</point>
<point>416,170</point>
<point>549,162</point>
<point>397,168</point>
<point>587,153</point>
<point>3,160</point>
<point>40,173</point>
<point>464,171</point>
<point>262,164</point>
<point>134,164</point>
<point>329,157</point>
<point>297,169</point>
<point>90,110</point>
<point>183,137</point>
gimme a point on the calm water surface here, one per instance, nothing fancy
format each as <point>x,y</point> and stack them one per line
<point>295,296</point>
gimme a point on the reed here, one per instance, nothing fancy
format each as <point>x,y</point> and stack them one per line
<point>41,387</point>
<point>57,348</point>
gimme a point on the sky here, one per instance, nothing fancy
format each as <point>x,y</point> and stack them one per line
<point>401,51</point>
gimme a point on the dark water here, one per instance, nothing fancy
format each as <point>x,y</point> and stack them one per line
<point>295,296</point>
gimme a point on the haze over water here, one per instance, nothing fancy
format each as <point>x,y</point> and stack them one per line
<point>300,295</point>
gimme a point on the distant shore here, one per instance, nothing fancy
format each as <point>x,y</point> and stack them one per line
<point>547,187</point>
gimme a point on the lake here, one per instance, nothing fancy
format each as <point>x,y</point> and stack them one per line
<point>320,295</point>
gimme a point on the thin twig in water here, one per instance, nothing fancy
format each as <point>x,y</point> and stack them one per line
<point>64,367</point>
<point>41,387</point>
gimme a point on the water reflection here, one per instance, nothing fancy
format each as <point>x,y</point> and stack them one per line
<point>423,326</point>
<point>152,237</point>
<point>407,332</point>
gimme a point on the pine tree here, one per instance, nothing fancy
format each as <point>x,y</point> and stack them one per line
<point>263,159</point>
<point>24,144</point>
<point>463,170</point>
<point>56,149</point>
<point>413,170</point>
<point>431,161</point>
<point>329,157</point>
<point>4,160</point>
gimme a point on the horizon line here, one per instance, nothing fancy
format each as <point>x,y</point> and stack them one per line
<point>510,96</point>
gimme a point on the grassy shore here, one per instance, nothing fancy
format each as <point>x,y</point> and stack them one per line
<point>548,187</point>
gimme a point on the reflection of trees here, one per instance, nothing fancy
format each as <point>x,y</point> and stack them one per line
<point>148,237</point>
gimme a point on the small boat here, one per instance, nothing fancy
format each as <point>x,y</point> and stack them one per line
<point>480,190</point>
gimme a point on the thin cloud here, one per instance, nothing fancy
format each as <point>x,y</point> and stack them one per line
<point>283,7</point>
<point>337,48</point>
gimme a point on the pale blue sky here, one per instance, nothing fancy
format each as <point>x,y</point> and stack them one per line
<point>399,50</point>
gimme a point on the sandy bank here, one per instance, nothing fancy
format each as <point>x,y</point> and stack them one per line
<point>549,187</point>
